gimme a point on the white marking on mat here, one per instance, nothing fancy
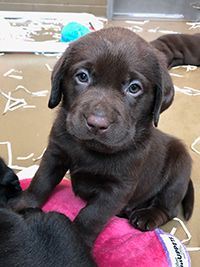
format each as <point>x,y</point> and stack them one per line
<point>187,90</point>
<point>8,74</point>
<point>40,155</point>
<point>176,75</point>
<point>184,228</point>
<point>25,158</point>
<point>16,167</point>
<point>194,143</point>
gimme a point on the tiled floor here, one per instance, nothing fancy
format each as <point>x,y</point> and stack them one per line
<point>27,129</point>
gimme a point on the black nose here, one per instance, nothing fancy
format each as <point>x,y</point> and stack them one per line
<point>97,124</point>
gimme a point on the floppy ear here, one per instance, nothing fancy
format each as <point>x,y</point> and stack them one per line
<point>56,82</point>
<point>164,92</point>
<point>157,105</point>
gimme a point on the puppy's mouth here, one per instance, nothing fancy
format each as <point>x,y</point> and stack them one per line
<point>98,146</point>
<point>107,137</point>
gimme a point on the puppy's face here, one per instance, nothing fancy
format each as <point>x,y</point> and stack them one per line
<point>112,87</point>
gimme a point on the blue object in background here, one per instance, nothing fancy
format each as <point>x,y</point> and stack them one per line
<point>73,31</point>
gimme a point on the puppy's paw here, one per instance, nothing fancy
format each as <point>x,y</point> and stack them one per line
<point>23,201</point>
<point>148,219</point>
<point>87,239</point>
<point>16,203</point>
<point>87,236</point>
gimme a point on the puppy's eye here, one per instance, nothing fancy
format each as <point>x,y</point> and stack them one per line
<point>135,88</point>
<point>82,77</point>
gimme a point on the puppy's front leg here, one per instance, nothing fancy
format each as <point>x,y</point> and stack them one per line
<point>51,171</point>
<point>99,210</point>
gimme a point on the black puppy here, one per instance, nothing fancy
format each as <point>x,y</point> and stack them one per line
<point>112,85</point>
<point>179,49</point>
<point>9,184</point>
<point>32,238</point>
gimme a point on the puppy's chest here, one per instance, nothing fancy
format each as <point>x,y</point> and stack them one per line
<point>94,164</point>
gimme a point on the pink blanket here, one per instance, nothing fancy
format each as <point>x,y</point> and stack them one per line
<point>120,244</point>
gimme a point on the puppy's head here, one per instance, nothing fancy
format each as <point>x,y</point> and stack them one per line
<point>112,85</point>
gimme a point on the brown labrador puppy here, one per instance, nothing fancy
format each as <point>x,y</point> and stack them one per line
<point>112,84</point>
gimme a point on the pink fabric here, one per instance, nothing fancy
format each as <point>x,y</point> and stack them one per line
<point>119,244</point>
